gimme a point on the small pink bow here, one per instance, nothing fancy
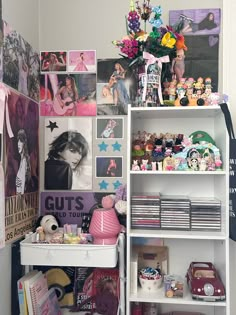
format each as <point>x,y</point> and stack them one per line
<point>150,59</point>
<point>4,93</point>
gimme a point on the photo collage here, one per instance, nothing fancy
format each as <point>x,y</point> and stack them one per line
<point>84,145</point>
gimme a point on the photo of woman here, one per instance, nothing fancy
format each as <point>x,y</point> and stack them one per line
<point>109,166</point>
<point>22,150</point>
<point>53,61</point>
<point>23,175</point>
<point>82,61</point>
<point>68,95</point>
<point>113,87</point>
<point>196,22</point>
<point>68,154</point>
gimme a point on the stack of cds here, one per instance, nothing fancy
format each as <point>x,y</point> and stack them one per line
<point>175,212</point>
<point>205,214</point>
<point>145,210</point>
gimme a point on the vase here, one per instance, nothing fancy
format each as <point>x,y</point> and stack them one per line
<point>104,227</point>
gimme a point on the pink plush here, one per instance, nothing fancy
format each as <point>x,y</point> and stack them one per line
<point>107,202</point>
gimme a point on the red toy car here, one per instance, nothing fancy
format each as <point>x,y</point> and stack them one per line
<point>204,282</point>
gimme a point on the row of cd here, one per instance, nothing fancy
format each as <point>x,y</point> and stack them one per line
<point>175,212</point>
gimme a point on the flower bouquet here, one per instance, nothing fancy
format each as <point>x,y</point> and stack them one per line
<point>150,54</point>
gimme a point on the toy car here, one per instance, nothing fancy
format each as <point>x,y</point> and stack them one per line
<point>204,282</point>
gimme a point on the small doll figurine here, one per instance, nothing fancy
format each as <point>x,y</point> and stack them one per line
<point>168,149</point>
<point>218,162</point>
<point>194,164</point>
<point>135,166</point>
<point>158,148</point>
<point>154,166</point>
<point>172,90</point>
<point>165,91</point>
<point>202,165</point>
<point>144,165</point>
<point>178,146</point>
<point>137,148</point>
<point>168,164</point>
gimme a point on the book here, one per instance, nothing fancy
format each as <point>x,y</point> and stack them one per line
<point>97,289</point>
<point>28,283</point>
<point>48,304</point>
<point>22,293</point>
<point>38,289</point>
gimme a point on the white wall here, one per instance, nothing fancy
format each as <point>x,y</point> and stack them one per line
<point>22,16</point>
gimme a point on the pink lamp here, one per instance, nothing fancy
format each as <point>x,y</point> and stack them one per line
<point>105,226</point>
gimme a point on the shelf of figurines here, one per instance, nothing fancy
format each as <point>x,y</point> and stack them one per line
<point>58,254</point>
<point>175,154</point>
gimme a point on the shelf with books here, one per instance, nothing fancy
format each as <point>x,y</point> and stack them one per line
<point>184,246</point>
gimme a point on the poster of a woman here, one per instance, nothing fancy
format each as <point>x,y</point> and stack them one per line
<point>22,162</point>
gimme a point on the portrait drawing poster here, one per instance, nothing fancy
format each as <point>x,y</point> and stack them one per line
<point>22,166</point>
<point>20,63</point>
<point>201,29</point>
<point>67,131</point>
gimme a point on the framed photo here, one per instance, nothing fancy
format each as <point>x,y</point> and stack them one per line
<point>110,128</point>
<point>68,94</point>
<point>53,61</point>
<point>109,166</point>
<point>82,61</point>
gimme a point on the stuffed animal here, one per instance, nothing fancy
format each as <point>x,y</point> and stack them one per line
<point>50,226</point>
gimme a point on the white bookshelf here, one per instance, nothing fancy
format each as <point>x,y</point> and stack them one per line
<point>183,246</point>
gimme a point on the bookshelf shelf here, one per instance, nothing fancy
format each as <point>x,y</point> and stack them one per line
<point>184,246</point>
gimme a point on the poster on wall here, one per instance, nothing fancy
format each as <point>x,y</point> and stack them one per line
<point>68,153</point>
<point>53,61</point>
<point>201,29</point>
<point>82,61</point>
<point>70,207</point>
<point>114,86</point>
<point>68,94</point>
<point>22,166</point>
<point>20,63</point>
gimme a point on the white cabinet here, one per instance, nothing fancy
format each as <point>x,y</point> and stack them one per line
<point>183,246</point>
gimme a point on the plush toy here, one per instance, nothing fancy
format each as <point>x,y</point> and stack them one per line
<point>49,225</point>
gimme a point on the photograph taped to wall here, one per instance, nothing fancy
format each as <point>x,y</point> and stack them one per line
<point>114,81</point>
<point>82,61</point>
<point>53,61</point>
<point>110,128</point>
<point>68,154</point>
<point>20,64</point>
<point>109,166</point>
<point>196,21</point>
<point>68,94</point>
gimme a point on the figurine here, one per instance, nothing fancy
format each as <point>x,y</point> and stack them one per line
<point>169,164</point>
<point>144,165</point>
<point>154,166</point>
<point>135,166</point>
<point>178,65</point>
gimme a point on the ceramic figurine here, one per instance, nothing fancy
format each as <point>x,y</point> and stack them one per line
<point>154,166</point>
<point>144,165</point>
<point>169,164</point>
<point>135,166</point>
